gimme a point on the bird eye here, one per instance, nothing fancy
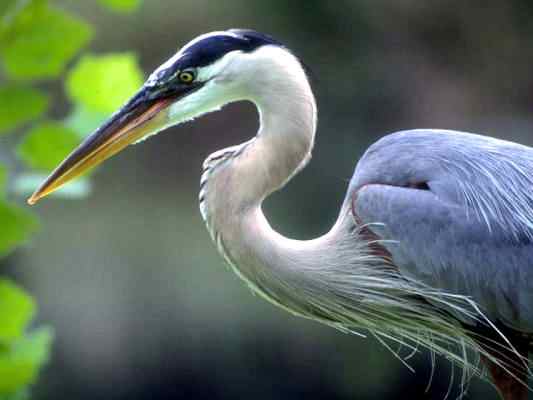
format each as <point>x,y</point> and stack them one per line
<point>186,76</point>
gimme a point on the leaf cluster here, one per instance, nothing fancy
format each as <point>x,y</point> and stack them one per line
<point>42,47</point>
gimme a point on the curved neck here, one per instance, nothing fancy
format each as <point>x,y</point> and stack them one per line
<point>239,178</point>
<point>283,145</point>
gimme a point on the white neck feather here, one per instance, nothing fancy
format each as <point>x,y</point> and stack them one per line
<point>238,179</point>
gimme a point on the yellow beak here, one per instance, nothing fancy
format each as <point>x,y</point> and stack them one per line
<point>141,116</point>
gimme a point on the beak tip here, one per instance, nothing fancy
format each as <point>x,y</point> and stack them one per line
<point>32,200</point>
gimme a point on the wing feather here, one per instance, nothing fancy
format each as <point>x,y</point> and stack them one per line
<point>471,233</point>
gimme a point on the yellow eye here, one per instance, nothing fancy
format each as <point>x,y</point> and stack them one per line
<point>186,76</point>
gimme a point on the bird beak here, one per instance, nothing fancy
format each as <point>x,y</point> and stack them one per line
<point>143,114</point>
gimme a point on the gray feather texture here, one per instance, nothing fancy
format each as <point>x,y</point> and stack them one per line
<point>471,233</point>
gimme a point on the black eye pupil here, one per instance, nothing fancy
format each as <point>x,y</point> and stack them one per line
<point>186,77</point>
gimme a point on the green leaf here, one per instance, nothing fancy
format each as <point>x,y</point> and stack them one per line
<point>103,83</point>
<point>17,225</point>
<point>21,361</point>
<point>16,308</point>
<point>46,145</point>
<point>25,185</point>
<point>123,6</point>
<point>19,105</point>
<point>39,40</point>
<point>84,121</point>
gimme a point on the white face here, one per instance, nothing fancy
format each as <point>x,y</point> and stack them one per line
<point>216,92</point>
<point>237,76</point>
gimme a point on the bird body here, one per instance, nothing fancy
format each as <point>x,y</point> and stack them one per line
<point>469,231</point>
<point>433,241</point>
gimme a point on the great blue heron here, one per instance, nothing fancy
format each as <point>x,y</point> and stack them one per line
<point>433,245</point>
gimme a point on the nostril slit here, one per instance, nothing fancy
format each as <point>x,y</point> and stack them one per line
<point>419,185</point>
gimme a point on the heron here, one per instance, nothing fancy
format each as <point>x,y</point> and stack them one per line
<point>433,244</point>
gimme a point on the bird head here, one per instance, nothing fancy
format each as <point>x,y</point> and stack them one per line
<point>208,72</point>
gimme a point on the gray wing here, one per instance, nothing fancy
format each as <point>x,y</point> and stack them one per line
<point>457,214</point>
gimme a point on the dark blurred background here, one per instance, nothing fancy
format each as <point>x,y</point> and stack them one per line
<point>144,308</point>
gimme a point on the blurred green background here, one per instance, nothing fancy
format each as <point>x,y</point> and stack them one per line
<point>141,304</point>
